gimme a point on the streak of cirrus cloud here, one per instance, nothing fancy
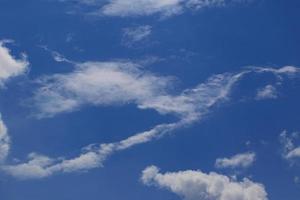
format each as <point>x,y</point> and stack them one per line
<point>118,83</point>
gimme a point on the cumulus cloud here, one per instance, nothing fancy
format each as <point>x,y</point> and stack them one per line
<point>267,92</point>
<point>195,185</point>
<point>133,35</point>
<point>242,160</point>
<point>9,65</point>
<point>289,149</point>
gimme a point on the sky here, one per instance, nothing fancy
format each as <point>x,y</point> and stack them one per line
<point>149,99</point>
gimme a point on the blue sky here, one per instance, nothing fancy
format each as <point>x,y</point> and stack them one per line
<point>149,99</point>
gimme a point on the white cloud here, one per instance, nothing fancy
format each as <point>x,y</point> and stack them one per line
<point>98,83</point>
<point>196,185</point>
<point>134,35</point>
<point>115,83</point>
<point>4,141</point>
<point>242,160</point>
<point>268,92</point>
<point>34,168</point>
<point>286,70</point>
<point>164,8</point>
<point>121,84</point>
<point>290,150</point>
<point>142,7</point>
<point>9,65</point>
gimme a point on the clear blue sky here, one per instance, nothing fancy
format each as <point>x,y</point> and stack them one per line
<point>98,72</point>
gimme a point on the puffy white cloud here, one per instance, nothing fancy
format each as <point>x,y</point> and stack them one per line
<point>132,35</point>
<point>242,160</point>
<point>98,83</point>
<point>195,185</point>
<point>4,141</point>
<point>267,92</point>
<point>113,83</point>
<point>9,65</point>
<point>290,150</point>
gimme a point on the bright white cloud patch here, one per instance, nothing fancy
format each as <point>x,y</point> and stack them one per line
<point>268,92</point>
<point>9,65</point>
<point>290,150</point>
<point>243,160</point>
<point>197,185</point>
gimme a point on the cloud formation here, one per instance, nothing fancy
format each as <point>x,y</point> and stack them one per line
<point>9,65</point>
<point>119,83</point>
<point>267,92</point>
<point>133,35</point>
<point>195,185</point>
<point>290,150</point>
<point>4,141</point>
<point>126,84</point>
<point>163,8</point>
<point>242,160</point>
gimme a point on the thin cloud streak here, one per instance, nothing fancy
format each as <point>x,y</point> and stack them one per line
<point>130,84</point>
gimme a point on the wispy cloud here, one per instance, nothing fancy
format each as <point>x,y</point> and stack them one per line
<point>163,8</point>
<point>242,160</point>
<point>134,35</point>
<point>267,92</point>
<point>117,83</point>
<point>146,90</point>
<point>195,185</point>
<point>4,141</point>
<point>289,149</point>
